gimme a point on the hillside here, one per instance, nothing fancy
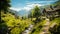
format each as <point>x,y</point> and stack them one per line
<point>11,22</point>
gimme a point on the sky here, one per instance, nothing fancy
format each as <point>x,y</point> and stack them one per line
<point>18,5</point>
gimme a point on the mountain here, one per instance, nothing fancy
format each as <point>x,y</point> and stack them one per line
<point>20,13</point>
<point>23,13</point>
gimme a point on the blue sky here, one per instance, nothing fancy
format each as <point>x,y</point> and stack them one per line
<point>28,4</point>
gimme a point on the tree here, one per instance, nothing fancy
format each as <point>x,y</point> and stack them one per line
<point>35,13</point>
<point>5,4</point>
<point>57,3</point>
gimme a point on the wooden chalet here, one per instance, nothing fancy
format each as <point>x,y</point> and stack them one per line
<point>51,11</point>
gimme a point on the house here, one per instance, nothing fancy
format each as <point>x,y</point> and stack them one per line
<point>51,11</point>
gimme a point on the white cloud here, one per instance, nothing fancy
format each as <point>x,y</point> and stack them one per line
<point>30,6</point>
<point>27,7</point>
<point>16,9</point>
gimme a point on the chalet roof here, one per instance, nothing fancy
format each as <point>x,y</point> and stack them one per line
<point>54,9</point>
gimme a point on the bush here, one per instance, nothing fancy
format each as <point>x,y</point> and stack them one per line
<point>55,29</point>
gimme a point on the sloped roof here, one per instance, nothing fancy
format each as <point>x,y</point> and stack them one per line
<point>54,9</point>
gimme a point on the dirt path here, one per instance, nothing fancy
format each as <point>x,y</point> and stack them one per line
<point>45,27</point>
<point>27,31</point>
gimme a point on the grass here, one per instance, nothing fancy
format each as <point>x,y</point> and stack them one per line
<point>56,20</point>
<point>38,27</point>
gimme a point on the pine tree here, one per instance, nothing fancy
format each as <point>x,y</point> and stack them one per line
<point>5,4</point>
